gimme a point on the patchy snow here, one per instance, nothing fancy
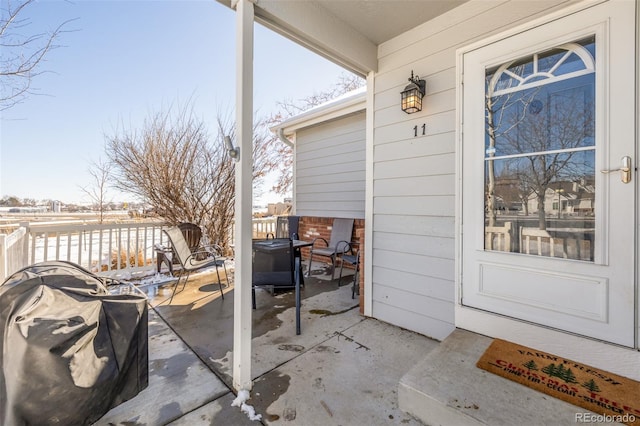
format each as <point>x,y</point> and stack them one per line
<point>243,396</point>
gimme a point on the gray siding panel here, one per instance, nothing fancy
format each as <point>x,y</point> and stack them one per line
<point>330,168</point>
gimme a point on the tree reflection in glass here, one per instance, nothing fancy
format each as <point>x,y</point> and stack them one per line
<point>540,152</point>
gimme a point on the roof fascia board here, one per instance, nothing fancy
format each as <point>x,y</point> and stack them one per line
<point>322,113</point>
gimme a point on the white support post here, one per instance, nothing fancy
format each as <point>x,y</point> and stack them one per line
<point>243,202</point>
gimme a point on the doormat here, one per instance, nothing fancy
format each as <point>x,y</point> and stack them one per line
<point>614,397</point>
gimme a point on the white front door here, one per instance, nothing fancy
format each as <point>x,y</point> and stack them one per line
<point>547,237</point>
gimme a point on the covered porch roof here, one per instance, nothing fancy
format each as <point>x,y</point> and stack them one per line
<point>346,32</point>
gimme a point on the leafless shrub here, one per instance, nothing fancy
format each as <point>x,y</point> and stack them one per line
<point>185,174</point>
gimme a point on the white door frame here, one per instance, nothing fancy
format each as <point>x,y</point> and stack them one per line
<point>589,351</point>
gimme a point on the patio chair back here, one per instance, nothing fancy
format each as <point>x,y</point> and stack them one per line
<point>179,245</point>
<point>192,234</point>
<point>341,233</point>
<point>287,227</point>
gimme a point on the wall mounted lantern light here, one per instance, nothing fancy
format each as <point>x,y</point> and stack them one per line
<point>412,95</point>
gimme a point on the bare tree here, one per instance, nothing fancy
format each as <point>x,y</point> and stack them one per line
<point>559,133</point>
<point>500,121</point>
<point>100,172</point>
<point>173,164</point>
<point>22,55</point>
<point>518,122</point>
<point>11,201</point>
<point>281,155</point>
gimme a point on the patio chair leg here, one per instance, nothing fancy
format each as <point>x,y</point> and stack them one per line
<point>226,274</point>
<point>310,262</point>
<point>355,284</point>
<point>175,288</point>
<point>219,282</point>
<point>253,297</point>
<point>333,269</point>
<point>340,276</point>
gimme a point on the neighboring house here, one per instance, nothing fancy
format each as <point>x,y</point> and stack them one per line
<point>533,96</point>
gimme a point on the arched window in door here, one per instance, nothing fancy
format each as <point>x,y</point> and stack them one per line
<point>540,153</point>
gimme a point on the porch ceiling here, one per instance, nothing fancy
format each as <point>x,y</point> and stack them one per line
<point>347,32</point>
<point>381,20</point>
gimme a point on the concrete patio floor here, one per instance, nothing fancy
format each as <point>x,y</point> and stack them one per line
<point>344,369</point>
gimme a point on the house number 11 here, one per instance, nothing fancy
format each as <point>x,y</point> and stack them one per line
<point>415,130</point>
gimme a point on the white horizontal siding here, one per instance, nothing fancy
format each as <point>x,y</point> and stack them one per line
<point>442,164</point>
<point>436,267</point>
<point>415,283</point>
<point>403,130</point>
<point>436,226</point>
<point>415,244</point>
<point>418,205</point>
<point>330,168</point>
<point>438,309</point>
<point>414,177</point>
<point>431,327</point>
<point>410,185</point>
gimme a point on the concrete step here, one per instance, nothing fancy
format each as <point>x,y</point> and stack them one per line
<point>446,388</point>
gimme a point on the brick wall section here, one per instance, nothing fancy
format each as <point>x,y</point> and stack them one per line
<point>311,227</point>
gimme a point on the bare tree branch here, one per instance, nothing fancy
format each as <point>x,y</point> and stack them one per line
<point>176,166</point>
<point>21,55</point>
<point>100,172</point>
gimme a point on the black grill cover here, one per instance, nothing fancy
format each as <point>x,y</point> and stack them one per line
<point>70,350</point>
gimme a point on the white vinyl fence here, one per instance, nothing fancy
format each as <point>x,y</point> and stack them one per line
<point>13,249</point>
<point>114,249</point>
<point>100,248</point>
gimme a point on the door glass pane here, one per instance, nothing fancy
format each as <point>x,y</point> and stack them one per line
<point>540,154</point>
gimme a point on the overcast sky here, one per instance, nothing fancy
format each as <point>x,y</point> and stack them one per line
<point>123,61</point>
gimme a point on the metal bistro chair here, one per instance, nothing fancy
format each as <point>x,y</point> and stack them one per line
<point>193,260</point>
<point>286,227</point>
<point>340,235</point>
<point>351,256</point>
<point>192,234</point>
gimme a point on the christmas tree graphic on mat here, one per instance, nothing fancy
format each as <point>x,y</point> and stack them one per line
<point>591,385</point>
<point>560,372</point>
<point>530,365</point>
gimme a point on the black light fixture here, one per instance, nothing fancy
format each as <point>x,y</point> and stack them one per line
<point>412,94</point>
